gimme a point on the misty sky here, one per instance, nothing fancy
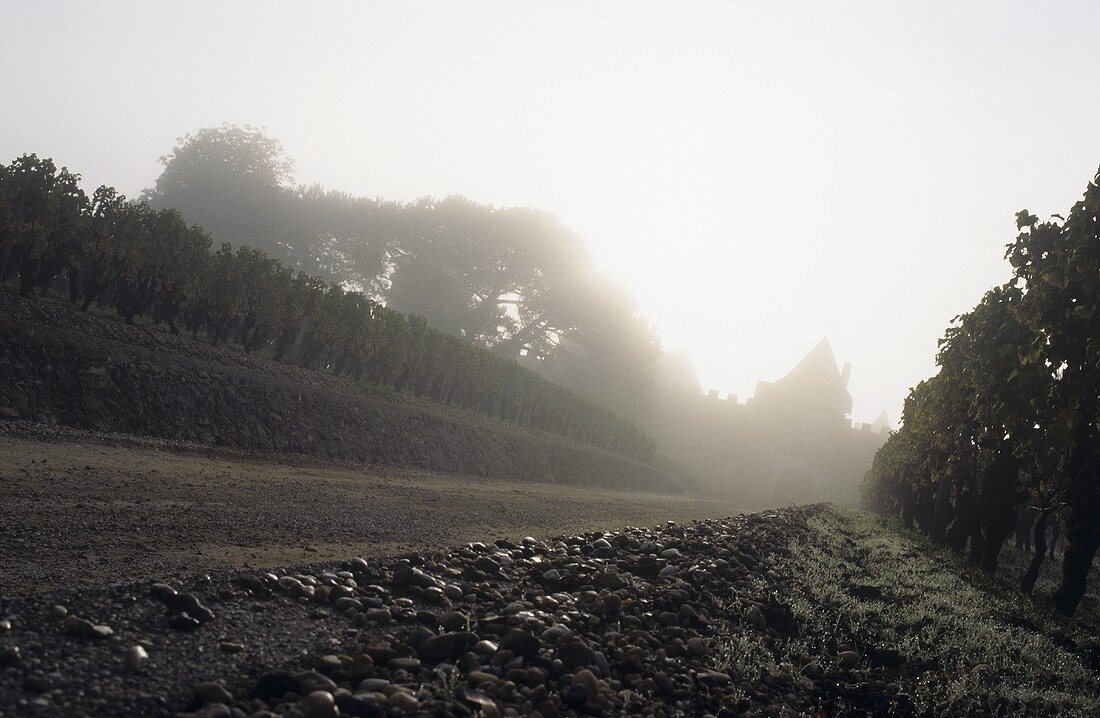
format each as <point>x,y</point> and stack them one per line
<point>757,174</point>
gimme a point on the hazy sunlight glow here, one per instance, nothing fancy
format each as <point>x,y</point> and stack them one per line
<point>757,175</point>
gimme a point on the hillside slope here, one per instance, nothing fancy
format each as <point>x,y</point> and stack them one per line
<point>64,367</point>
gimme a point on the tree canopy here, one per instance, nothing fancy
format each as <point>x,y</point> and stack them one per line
<point>513,280</point>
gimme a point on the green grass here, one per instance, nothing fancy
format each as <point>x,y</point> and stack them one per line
<point>964,637</point>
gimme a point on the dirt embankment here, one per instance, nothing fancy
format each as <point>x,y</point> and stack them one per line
<point>60,366</point>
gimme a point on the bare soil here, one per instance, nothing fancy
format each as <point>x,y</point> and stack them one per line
<point>77,511</point>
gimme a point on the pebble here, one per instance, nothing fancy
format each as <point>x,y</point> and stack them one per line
<point>588,679</point>
<point>329,663</point>
<point>310,681</point>
<point>318,704</point>
<point>481,702</point>
<point>373,684</point>
<point>521,643</point>
<point>478,677</point>
<point>713,678</point>
<point>161,591</point>
<point>610,604</point>
<point>186,603</point>
<point>405,664</point>
<point>135,659</point>
<point>84,628</point>
<point>210,692</point>
<point>555,633</point>
<point>454,621</point>
<point>183,622</point>
<point>485,648</point>
<point>404,702</point>
<point>346,603</point>
<point>575,654</point>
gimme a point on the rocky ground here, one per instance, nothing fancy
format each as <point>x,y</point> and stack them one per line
<point>84,509</point>
<point>803,611</point>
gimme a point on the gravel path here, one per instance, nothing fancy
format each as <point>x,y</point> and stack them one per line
<point>797,612</point>
<point>642,621</point>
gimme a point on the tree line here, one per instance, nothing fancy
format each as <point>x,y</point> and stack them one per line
<point>1008,427</point>
<point>142,261</point>
<point>514,280</point>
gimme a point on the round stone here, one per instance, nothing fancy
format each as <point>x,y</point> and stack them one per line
<point>373,685</point>
<point>136,658</point>
<point>379,615</point>
<point>211,692</point>
<point>404,701</point>
<point>329,663</point>
<point>84,628</point>
<point>485,648</point>
<point>318,704</point>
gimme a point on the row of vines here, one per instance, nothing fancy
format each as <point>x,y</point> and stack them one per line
<point>108,252</point>
<point>1006,431</point>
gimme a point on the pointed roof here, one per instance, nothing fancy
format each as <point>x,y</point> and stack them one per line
<point>815,366</point>
<point>814,386</point>
<point>881,422</point>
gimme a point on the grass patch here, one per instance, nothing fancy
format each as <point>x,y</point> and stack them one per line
<point>953,640</point>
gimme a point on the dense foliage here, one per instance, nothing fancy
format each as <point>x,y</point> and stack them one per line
<point>1006,432</point>
<point>514,280</point>
<point>142,261</point>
